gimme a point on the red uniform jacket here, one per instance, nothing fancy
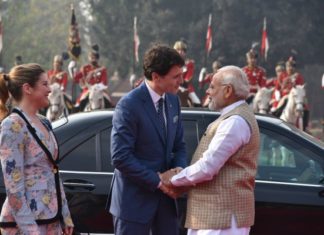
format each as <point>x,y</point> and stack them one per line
<point>61,77</point>
<point>99,76</point>
<point>188,73</point>
<point>284,84</point>
<point>256,77</point>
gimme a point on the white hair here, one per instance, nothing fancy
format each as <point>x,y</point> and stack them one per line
<point>237,78</point>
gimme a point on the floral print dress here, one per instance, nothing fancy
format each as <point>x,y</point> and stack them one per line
<point>29,180</point>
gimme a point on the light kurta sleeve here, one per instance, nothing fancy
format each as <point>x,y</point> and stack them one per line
<point>231,134</point>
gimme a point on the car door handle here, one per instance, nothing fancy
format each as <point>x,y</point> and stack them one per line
<point>79,184</point>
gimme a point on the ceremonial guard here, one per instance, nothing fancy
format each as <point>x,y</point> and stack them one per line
<point>57,74</point>
<point>207,80</point>
<point>272,83</point>
<point>209,76</point>
<point>90,74</point>
<point>256,75</point>
<point>279,69</point>
<point>285,82</point>
<point>289,78</point>
<point>188,72</point>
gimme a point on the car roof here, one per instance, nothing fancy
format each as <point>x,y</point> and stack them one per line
<point>265,120</point>
<point>77,122</point>
<point>83,120</point>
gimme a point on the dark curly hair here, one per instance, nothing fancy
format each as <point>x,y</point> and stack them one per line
<point>160,59</point>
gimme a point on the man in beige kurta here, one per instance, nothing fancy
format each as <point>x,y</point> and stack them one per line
<point>222,172</point>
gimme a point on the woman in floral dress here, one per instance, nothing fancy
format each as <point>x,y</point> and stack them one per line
<point>27,170</point>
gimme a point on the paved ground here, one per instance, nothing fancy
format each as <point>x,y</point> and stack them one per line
<point>316,129</point>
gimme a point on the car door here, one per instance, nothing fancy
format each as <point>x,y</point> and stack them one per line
<point>289,185</point>
<point>193,129</point>
<point>86,177</point>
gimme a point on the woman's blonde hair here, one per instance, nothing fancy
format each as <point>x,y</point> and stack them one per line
<point>12,83</point>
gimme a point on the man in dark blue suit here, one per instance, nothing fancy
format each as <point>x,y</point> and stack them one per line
<point>147,138</point>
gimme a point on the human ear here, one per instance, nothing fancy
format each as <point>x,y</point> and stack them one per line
<point>27,89</point>
<point>155,76</point>
<point>228,91</point>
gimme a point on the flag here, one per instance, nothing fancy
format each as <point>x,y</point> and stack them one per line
<point>0,33</point>
<point>136,40</point>
<point>209,39</point>
<point>74,47</point>
<point>264,42</point>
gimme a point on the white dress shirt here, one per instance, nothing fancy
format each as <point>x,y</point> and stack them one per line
<point>230,135</point>
<point>155,96</point>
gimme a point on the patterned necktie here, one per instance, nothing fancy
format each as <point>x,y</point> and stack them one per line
<point>161,116</point>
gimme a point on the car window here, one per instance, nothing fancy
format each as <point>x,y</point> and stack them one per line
<point>191,137</point>
<point>282,159</point>
<point>82,158</point>
<point>105,150</point>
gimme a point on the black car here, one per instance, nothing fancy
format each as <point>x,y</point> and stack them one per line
<point>289,184</point>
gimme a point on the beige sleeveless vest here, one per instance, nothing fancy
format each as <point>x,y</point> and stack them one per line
<point>231,192</point>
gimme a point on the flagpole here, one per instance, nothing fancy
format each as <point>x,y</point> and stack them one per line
<point>208,40</point>
<point>72,64</point>
<point>208,47</point>
<point>74,49</point>
<point>134,46</point>
<point>205,60</point>
<point>136,42</point>
<point>264,41</point>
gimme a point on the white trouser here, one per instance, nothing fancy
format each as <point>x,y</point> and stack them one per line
<point>233,230</point>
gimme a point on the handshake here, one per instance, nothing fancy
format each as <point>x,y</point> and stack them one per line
<point>167,187</point>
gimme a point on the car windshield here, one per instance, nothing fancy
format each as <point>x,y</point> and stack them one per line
<point>303,134</point>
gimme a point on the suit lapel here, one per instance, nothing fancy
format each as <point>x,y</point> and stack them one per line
<point>169,111</point>
<point>151,111</point>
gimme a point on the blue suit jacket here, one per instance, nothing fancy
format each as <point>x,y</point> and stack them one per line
<point>139,151</point>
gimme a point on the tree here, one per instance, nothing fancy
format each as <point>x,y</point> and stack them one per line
<point>38,30</point>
